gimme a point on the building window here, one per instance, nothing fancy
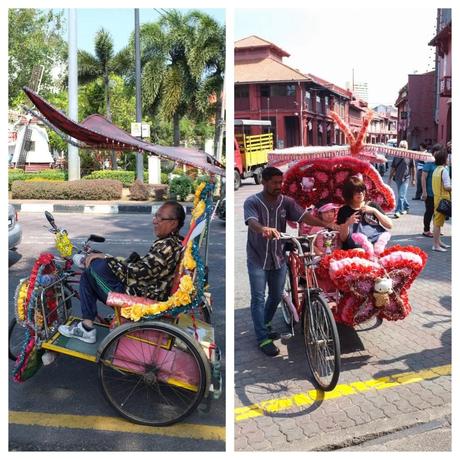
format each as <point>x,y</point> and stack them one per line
<point>290,90</point>
<point>308,101</point>
<point>264,91</point>
<point>241,91</point>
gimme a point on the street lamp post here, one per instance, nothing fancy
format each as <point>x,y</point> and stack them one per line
<point>137,51</point>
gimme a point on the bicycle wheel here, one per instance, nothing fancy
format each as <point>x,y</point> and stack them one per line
<point>153,373</point>
<point>322,343</point>
<point>287,297</point>
<point>16,335</point>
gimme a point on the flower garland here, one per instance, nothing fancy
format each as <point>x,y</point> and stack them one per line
<point>63,244</point>
<point>188,295</point>
<point>27,361</point>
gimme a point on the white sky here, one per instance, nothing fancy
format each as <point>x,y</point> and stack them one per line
<point>382,45</point>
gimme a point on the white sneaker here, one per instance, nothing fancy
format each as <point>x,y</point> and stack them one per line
<point>77,331</point>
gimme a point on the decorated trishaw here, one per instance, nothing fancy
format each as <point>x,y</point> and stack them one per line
<point>359,285</point>
<point>156,360</point>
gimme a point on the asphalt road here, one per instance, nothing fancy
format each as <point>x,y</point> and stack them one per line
<point>61,407</point>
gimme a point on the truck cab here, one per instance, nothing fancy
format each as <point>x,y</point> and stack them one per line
<point>253,142</point>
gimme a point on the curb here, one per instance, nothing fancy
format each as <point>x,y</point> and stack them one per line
<point>82,208</point>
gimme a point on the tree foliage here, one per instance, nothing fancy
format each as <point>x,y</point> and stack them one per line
<point>34,38</point>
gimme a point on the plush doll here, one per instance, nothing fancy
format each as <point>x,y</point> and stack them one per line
<point>383,287</point>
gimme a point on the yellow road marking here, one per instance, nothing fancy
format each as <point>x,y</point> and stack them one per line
<point>310,397</point>
<point>89,422</point>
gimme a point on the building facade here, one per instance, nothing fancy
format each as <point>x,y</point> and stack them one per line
<point>416,103</point>
<point>297,104</point>
<point>443,75</point>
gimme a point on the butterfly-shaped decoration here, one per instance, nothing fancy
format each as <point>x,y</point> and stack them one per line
<point>357,275</point>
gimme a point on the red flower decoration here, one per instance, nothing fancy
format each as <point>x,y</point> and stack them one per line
<point>354,274</point>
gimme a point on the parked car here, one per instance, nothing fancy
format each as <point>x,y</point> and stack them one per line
<point>14,228</point>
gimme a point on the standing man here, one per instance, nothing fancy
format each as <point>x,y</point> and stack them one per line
<point>265,214</point>
<point>401,170</point>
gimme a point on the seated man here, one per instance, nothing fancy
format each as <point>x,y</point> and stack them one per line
<point>149,276</point>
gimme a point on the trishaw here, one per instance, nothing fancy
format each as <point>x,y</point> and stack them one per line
<point>358,285</point>
<point>156,360</point>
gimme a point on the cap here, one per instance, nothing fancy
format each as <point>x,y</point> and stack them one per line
<point>327,207</point>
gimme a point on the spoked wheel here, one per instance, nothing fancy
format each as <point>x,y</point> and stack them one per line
<point>322,342</point>
<point>287,297</point>
<point>16,336</point>
<point>153,373</point>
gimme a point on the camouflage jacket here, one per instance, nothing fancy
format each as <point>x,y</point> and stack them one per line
<point>152,275</point>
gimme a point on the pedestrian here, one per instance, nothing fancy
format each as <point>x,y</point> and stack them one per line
<point>265,214</point>
<point>419,168</point>
<point>401,170</point>
<point>442,187</point>
<point>427,193</point>
<point>149,276</point>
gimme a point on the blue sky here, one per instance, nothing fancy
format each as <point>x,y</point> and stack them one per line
<point>120,23</point>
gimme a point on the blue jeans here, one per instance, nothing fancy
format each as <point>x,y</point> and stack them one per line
<point>263,310</point>
<point>402,204</point>
<point>91,291</point>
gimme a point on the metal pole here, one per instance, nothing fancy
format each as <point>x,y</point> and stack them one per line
<point>74,158</point>
<point>137,50</point>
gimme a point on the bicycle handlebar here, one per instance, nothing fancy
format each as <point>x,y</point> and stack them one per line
<point>309,238</point>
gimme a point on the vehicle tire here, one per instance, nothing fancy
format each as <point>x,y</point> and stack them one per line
<point>138,373</point>
<point>16,334</point>
<point>322,343</point>
<point>236,180</point>
<point>258,176</point>
<point>285,308</point>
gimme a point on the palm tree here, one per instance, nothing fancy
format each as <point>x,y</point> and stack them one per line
<point>100,65</point>
<point>182,60</point>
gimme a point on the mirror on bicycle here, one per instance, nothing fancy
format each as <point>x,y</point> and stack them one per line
<point>50,219</point>
<point>96,238</point>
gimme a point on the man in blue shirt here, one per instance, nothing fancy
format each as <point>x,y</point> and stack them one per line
<point>266,214</point>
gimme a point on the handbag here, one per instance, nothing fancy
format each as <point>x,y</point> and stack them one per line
<point>445,207</point>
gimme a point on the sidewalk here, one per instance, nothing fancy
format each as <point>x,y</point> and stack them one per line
<point>92,207</point>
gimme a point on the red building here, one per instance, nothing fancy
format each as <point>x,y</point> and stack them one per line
<point>297,104</point>
<point>443,98</point>
<point>416,103</point>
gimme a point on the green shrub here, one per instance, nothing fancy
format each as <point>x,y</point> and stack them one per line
<point>181,186</point>
<point>125,177</point>
<point>74,190</point>
<point>164,178</point>
<point>45,174</point>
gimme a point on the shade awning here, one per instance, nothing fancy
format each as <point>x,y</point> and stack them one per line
<point>96,132</point>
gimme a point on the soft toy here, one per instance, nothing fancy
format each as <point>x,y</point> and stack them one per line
<point>383,287</point>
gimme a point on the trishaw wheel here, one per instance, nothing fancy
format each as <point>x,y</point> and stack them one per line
<point>322,343</point>
<point>153,373</point>
<point>16,335</point>
<point>287,296</point>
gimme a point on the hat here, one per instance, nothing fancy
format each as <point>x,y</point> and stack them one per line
<point>328,207</point>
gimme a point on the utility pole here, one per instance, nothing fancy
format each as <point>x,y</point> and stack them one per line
<point>137,51</point>
<point>73,158</point>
